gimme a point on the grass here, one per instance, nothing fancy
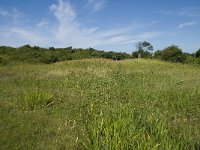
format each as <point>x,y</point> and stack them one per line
<point>100,104</point>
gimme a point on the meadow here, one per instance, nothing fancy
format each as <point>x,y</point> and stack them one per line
<point>99,104</point>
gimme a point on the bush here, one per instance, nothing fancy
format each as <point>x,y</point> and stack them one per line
<point>190,59</point>
<point>198,61</point>
<point>27,46</point>
<point>50,59</point>
<point>197,54</point>
<point>35,54</point>
<point>173,54</point>
<point>158,54</point>
<point>4,60</point>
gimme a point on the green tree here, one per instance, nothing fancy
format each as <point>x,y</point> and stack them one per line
<point>197,54</point>
<point>158,54</point>
<point>173,53</point>
<point>51,48</point>
<point>27,46</point>
<point>143,49</point>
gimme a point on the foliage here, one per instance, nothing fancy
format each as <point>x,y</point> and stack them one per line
<point>190,59</point>
<point>173,54</point>
<point>197,54</point>
<point>4,60</point>
<point>35,54</point>
<point>158,54</point>
<point>52,58</point>
<point>144,46</point>
<point>198,61</point>
<point>143,54</point>
<point>143,49</point>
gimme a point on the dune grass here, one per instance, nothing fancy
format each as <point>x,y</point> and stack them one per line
<point>100,104</point>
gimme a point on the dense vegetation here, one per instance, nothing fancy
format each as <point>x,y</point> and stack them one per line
<point>35,54</point>
<point>100,104</point>
<point>171,53</point>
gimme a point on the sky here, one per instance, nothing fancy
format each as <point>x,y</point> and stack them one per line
<point>116,25</point>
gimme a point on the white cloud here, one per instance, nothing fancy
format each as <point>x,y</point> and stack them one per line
<point>13,16</point>
<point>20,36</point>
<point>63,11</point>
<point>27,35</point>
<point>185,12</point>
<point>187,24</point>
<point>3,13</point>
<point>117,31</point>
<point>13,13</point>
<point>148,35</point>
<point>67,31</point>
<point>190,12</point>
<point>15,32</point>
<point>166,12</point>
<point>42,23</point>
<point>97,4</point>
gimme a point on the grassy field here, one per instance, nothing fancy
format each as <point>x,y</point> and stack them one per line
<point>100,105</point>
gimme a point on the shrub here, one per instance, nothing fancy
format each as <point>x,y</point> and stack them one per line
<point>4,60</point>
<point>51,48</point>
<point>198,61</point>
<point>27,46</point>
<point>190,59</point>
<point>173,54</point>
<point>35,54</point>
<point>197,54</point>
<point>158,54</point>
<point>49,59</point>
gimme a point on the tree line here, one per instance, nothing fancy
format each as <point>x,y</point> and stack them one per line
<point>144,49</point>
<point>35,54</point>
<point>171,53</point>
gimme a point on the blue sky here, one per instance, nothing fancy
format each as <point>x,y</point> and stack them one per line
<point>102,24</point>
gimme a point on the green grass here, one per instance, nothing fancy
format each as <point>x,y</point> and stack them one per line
<point>100,104</point>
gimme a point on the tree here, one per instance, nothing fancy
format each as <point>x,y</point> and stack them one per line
<point>69,48</point>
<point>36,47</point>
<point>145,54</point>
<point>197,54</point>
<point>143,48</point>
<point>173,53</point>
<point>27,46</point>
<point>158,54</point>
<point>51,48</point>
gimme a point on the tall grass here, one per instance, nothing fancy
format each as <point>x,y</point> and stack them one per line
<point>100,104</point>
<point>124,127</point>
